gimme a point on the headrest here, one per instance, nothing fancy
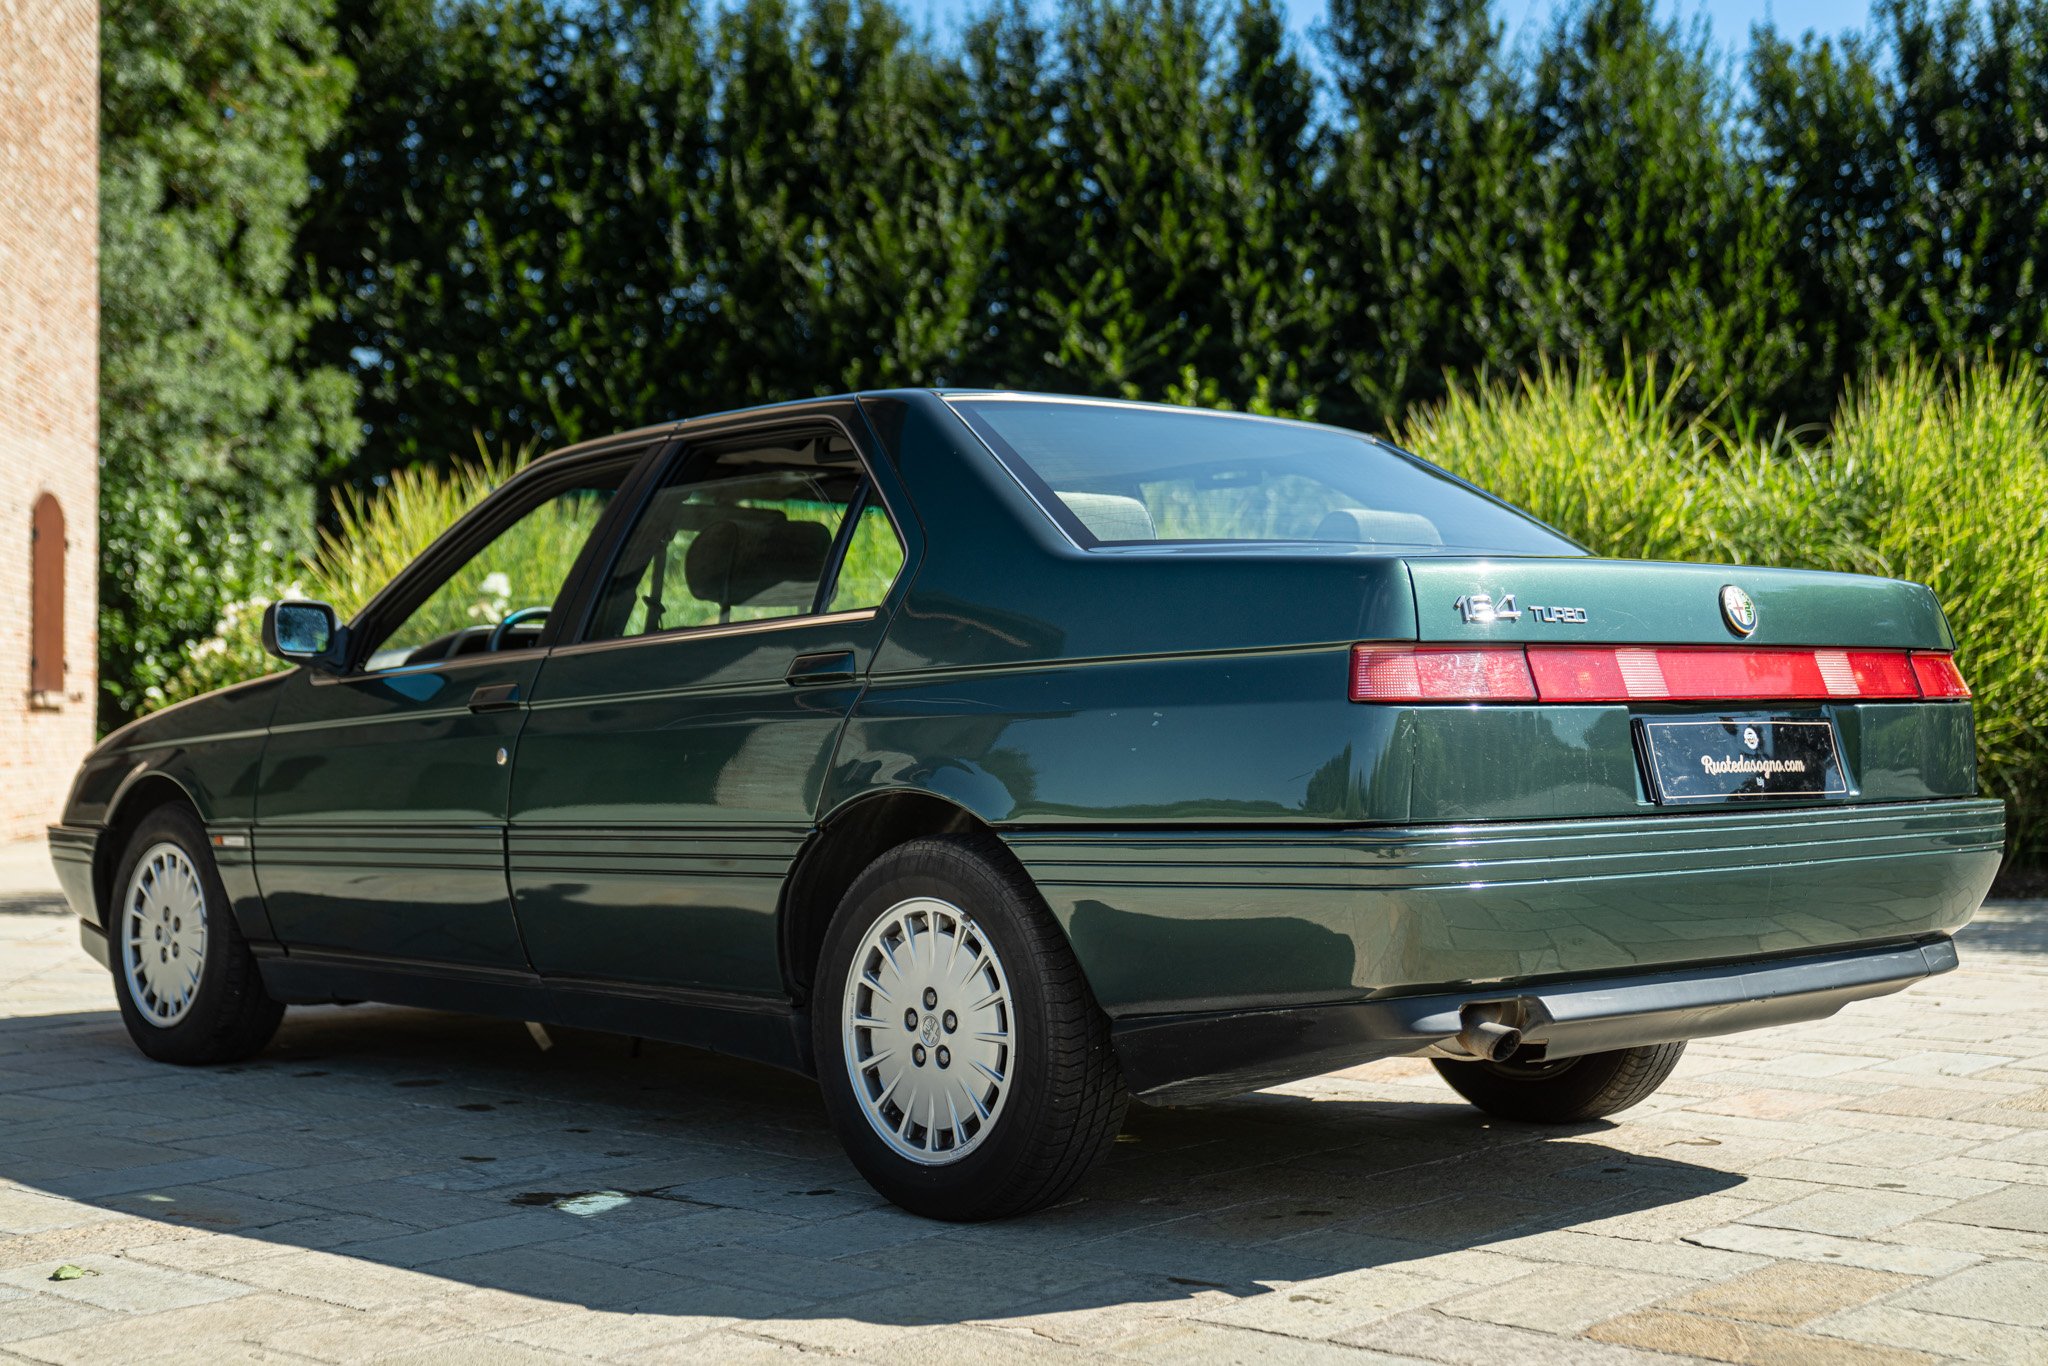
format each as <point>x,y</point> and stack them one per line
<point>1380,528</point>
<point>763,561</point>
<point>1110,516</point>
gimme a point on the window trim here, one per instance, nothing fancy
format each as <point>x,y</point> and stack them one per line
<point>733,628</point>
<point>675,456</point>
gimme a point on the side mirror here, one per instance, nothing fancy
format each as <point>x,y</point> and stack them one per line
<point>305,633</point>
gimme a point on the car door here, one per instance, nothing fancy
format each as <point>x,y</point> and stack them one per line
<point>380,804</point>
<point>672,760</point>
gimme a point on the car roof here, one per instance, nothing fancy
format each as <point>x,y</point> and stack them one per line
<point>652,431</point>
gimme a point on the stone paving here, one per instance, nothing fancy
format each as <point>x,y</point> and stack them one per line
<point>408,1186</point>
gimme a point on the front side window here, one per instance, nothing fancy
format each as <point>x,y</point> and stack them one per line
<point>1119,473</point>
<point>500,597</point>
<point>751,531</point>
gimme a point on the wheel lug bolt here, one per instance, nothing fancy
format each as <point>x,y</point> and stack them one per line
<point>917,1054</point>
<point>945,1056</point>
<point>952,1022</point>
<point>910,1020</point>
<point>931,998</point>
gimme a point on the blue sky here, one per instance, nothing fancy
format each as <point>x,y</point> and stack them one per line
<point>1731,19</point>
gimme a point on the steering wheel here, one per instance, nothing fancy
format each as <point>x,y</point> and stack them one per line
<point>511,619</point>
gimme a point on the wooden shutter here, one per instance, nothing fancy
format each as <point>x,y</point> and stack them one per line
<point>46,598</point>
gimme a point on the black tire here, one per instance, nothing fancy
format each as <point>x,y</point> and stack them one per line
<point>230,1016</point>
<point>1065,1100</point>
<point>1567,1091</point>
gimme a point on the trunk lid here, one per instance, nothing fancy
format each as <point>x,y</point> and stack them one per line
<point>1642,602</point>
<point>1605,687</point>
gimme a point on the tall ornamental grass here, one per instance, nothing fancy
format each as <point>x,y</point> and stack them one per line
<point>1937,478</point>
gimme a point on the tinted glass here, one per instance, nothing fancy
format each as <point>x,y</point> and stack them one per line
<point>521,570</point>
<point>874,556</point>
<point>1120,474</point>
<point>747,533</point>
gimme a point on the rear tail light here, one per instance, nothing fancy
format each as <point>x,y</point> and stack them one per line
<point>1939,676</point>
<point>1431,673</point>
<point>1648,673</point>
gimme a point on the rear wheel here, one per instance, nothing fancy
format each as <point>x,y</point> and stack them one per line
<point>183,973</point>
<point>1567,1090</point>
<point>965,1064</point>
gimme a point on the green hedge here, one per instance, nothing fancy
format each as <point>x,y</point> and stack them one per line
<point>1941,478</point>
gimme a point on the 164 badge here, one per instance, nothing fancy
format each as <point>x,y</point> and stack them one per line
<point>1483,609</point>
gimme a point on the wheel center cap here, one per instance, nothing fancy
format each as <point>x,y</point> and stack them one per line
<point>929,1031</point>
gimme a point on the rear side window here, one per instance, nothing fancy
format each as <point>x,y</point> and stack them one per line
<point>1126,473</point>
<point>754,530</point>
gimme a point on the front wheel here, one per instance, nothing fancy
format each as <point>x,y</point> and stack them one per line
<point>1567,1090</point>
<point>183,973</point>
<point>965,1065</point>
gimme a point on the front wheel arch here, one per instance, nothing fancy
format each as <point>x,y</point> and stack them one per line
<point>137,799</point>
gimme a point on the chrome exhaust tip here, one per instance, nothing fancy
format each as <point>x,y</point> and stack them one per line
<point>1489,1040</point>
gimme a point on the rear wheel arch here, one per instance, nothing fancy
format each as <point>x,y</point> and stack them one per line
<point>847,841</point>
<point>133,805</point>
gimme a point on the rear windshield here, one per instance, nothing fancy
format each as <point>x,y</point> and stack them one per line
<point>1123,474</point>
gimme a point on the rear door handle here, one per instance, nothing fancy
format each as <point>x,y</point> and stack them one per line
<point>832,666</point>
<point>495,697</point>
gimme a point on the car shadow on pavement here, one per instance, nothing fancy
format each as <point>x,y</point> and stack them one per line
<point>377,1155</point>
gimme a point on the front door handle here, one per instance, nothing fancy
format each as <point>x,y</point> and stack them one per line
<point>495,697</point>
<point>832,666</point>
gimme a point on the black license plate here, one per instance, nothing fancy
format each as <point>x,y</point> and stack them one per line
<point>1732,757</point>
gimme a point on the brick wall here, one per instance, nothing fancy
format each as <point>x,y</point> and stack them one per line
<point>49,393</point>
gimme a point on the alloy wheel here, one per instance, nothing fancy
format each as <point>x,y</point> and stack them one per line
<point>163,934</point>
<point>929,1031</point>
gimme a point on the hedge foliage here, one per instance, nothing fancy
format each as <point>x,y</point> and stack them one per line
<point>213,422</point>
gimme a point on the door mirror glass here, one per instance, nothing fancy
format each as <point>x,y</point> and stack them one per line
<point>300,632</point>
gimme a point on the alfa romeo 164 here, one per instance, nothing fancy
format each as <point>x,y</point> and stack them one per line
<point>995,758</point>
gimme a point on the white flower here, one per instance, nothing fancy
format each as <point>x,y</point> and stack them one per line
<point>496,586</point>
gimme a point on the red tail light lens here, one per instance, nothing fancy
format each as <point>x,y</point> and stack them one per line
<point>1429,673</point>
<point>1648,673</point>
<point>1939,676</point>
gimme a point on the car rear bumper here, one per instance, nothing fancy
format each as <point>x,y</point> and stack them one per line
<point>1209,1056</point>
<point>1198,921</point>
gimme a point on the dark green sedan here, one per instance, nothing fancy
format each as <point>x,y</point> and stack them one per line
<point>995,757</point>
